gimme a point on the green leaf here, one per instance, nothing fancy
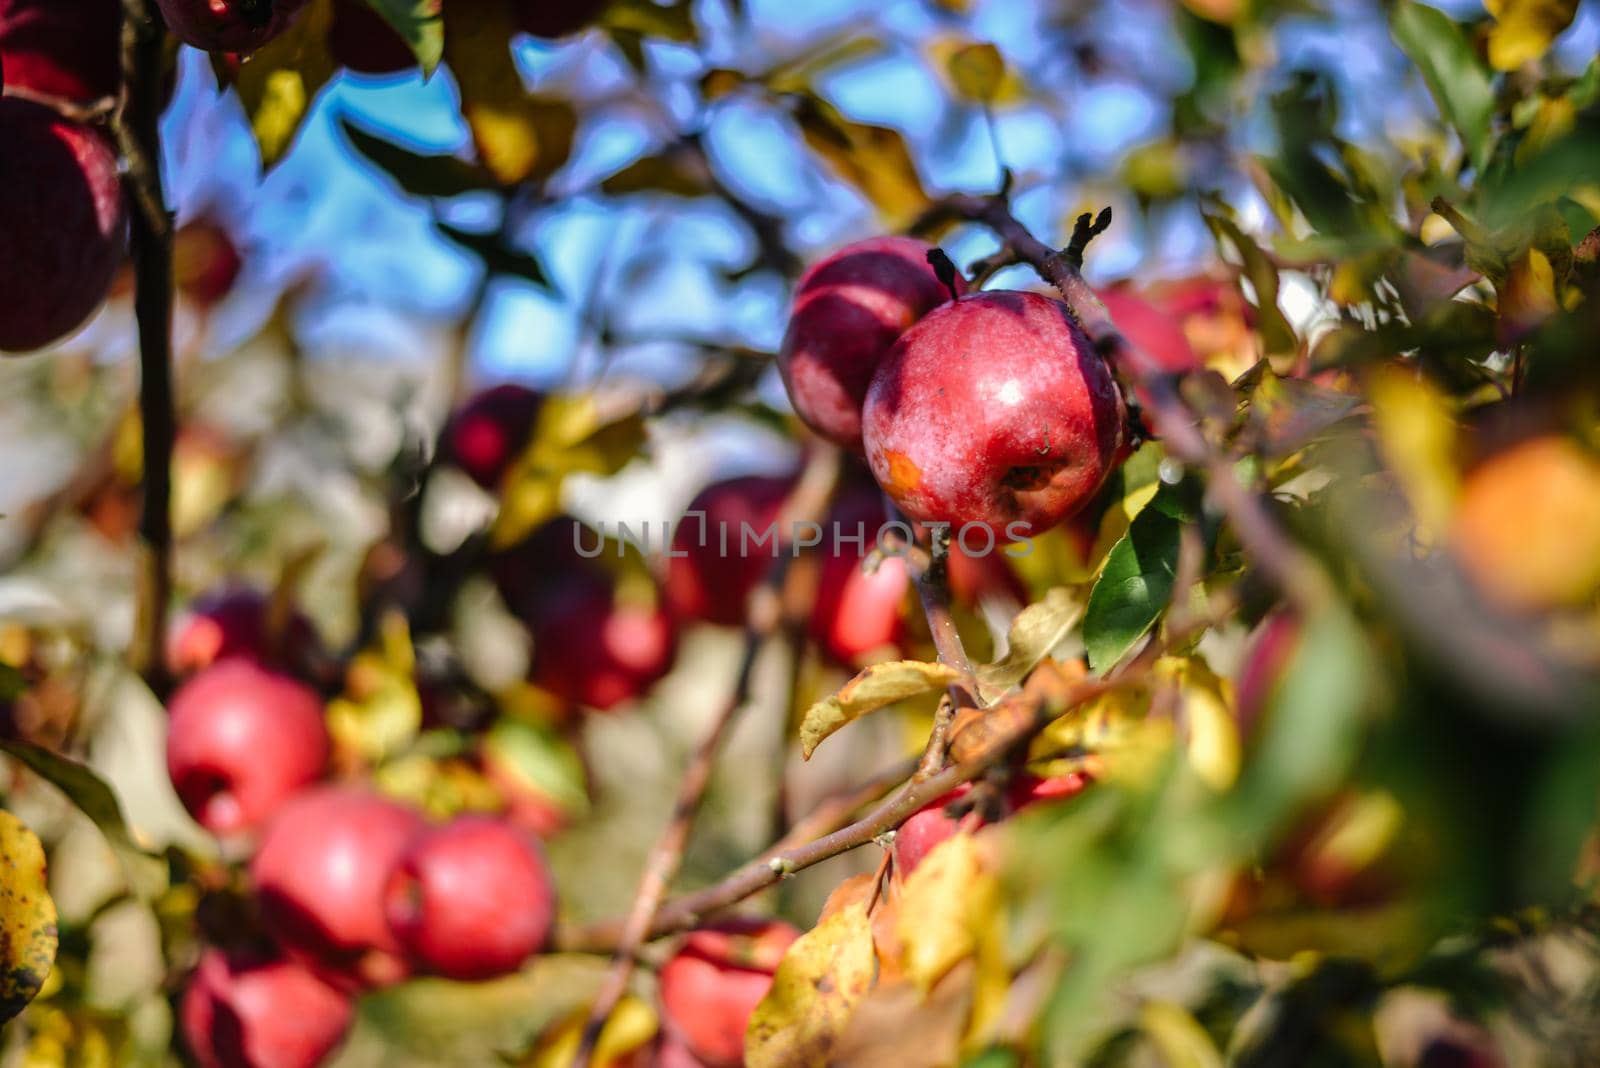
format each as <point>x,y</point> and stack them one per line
<point>876,687</point>
<point>91,795</point>
<point>1276,333</point>
<point>420,26</point>
<point>1135,585</point>
<point>277,84</point>
<point>1450,66</point>
<point>28,938</point>
<point>499,257</point>
<point>420,175</point>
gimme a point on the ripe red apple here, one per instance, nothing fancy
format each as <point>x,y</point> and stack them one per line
<point>62,48</point>
<point>471,900</point>
<point>239,26</point>
<point>672,1053</point>
<point>596,642</point>
<point>62,224</point>
<point>487,433</point>
<point>255,1013</point>
<point>712,984</point>
<point>320,875</point>
<point>926,828</point>
<point>205,261</point>
<point>362,41</point>
<point>714,567</point>
<point>848,310</point>
<point>994,410</point>
<point>233,622</point>
<point>542,18</point>
<point>1155,335</point>
<point>858,614</point>
<point>240,740</point>
<point>1031,790</point>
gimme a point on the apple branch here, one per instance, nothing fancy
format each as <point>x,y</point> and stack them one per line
<point>763,618</point>
<point>137,122</point>
<point>1290,569</point>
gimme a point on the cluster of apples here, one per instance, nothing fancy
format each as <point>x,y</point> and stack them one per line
<point>356,891</point>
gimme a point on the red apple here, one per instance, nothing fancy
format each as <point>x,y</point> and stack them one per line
<point>550,20</point>
<point>712,984</point>
<point>487,433</point>
<point>240,740</point>
<point>856,613</point>
<point>320,874</point>
<point>62,48</point>
<point>714,563</point>
<point>62,224</point>
<point>239,26</point>
<point>596,642</point>
<point>251,1013</point>
<point>362,41</point>
<point>1156,335</point>
<point>471,900</point>
<point>848,310</point>
<point>235,622</point>
<point>925,829</point>
<point>1031,790</point>
<point>672,1053</point>
<point>994,410</point>
<point>205,261</point>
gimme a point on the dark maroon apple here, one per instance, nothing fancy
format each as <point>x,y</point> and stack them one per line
<point>595,649</point>
<point>487,433</point>
<point>320,874</point>
<point>551,19</point>
<point>715,980</point>
<point>471,900</point>
<point>62,48</point>
<point>240,740</point>
<point>362,41</point>
<point>994,410</point>
<point>63,231</point>
<point>205,261</point>
<point>235,621</point>
<point>256,1013</point>
<point>848,310</point>
<point>237,26</point>
<point>717,561</point>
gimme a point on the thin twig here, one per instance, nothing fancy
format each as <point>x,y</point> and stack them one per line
<point>137,123</point>
<point>807,503</point>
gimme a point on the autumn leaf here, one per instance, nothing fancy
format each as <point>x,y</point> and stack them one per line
<point>945,906</point>
<point>277,83</point>
<point>874,159</point>
<point>824,975</point>
<point>1524,29</point>
<point>977,71</point>
<point>876,687</point>
<point>1037,630</point>
<point>27,917</point>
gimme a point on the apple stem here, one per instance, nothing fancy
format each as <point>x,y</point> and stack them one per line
<point>137,126</point>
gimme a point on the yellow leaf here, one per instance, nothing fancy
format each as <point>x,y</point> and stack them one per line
<point>823,976</point>
<point>1038,628</point>
<point>278,82</point>
<point>899,1024</point>
<point>519,136</point>
<point>1524,29</point>
<point>872,158</point>
<point>1527,297</point>
<point>1417,436</point>
<point>945,908</point>
<point>1182,1042</point>
<point>27,917</point>
<point>632,1024</point>
<point>977,71</point>
<point>874,688</point>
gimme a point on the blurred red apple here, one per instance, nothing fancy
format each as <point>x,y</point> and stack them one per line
<point>487,434</point>
<point>240,740</point>
<point>720,557</point>
<point>205,261</point>
<point>235,621</point>
<point>254,1013</point>
<point>712,984</point>
<point>240,26</point>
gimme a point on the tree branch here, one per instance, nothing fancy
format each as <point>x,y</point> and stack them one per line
<point>137,123</point>
<point>764,616</point>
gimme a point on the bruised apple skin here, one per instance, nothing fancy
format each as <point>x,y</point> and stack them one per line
<point>848,310</point>
<point>994,411</point>
<point>471,900</point>
<point>712,569</point>
<point>712,984</point>
<point>239,26</point>
<point>241,740</point>
<point>320,875</point>
<point>62,48</point>
<point>54,276</point>
<point>244,1012</point>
